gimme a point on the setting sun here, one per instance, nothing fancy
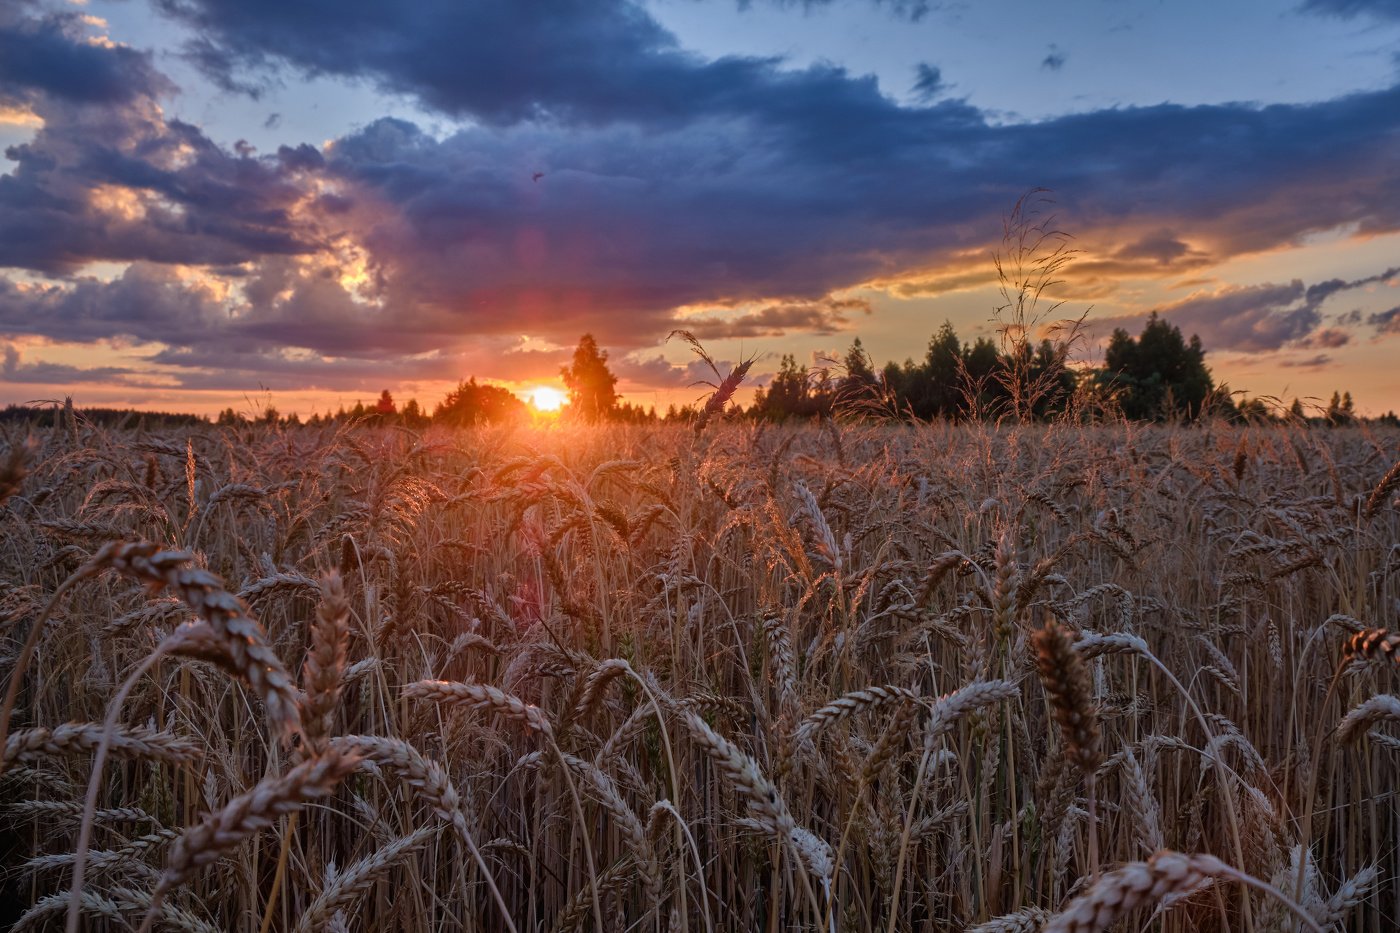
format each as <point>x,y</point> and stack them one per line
<point>543,398</point>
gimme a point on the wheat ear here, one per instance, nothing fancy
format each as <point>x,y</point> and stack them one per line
<point>247,814</point>
<point>431,782</point>
<point>1383,707</point>
<point>324,671</point>
<point>1373,643</point>
<point>1066,682</point>
<point>350,884</point>
<point>1136,884</point>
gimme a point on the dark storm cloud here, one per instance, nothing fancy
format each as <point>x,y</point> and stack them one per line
<point>108,177</point>
<point>1251,318</point>
<point>124,184</point>
<point>500,61</point>
<point>47,56</point>
<point>143,303</point>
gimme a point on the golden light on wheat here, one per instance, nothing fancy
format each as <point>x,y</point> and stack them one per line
<point>848,676</point>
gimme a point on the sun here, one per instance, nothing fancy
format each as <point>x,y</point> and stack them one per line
<point>543,398</point>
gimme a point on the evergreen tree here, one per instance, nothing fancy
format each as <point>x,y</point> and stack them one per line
<point>592,392</point>
<point>860,381</point>
<point>1159,375</point>
<point>937,388</point>
<point>413,416</point>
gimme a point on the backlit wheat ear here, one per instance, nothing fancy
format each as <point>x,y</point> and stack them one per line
<point>1071,697</point>
<point>1388,484</point>
<point>423,774</point>
<point>1373,643</point>
<point>1350,894</point>
<point>1138,884</point>
<point>430,780</point>
<point>91,904</point>
<point>744,776</point>
<point>626,820</point>
<point>948,710</point>
<point>243,637</point>
<point>597,685</point>
<point>1141,804</point>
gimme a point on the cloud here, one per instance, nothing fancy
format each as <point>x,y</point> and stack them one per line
<point>912,10</point>
<point>826,316</point>
<point>14,370</point>
<point>669,181</point>
<point>1350,9</point>
<point>49,56</point>
<point>928,82</point>
<point>147,302</point>
<point>1310,362</point>
<point>1259,318</point>
<point>121,183</point>
<point>1385,322</point>
<point>1329,338</point>
<point>656,371</point>
<point>1054,60</point>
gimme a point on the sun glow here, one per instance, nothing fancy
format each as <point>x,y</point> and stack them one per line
<point>543,398</point>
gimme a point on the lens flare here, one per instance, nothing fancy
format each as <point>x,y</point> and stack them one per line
<point>546,399</point>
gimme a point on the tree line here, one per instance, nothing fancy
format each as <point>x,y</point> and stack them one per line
<point>1158,375</point>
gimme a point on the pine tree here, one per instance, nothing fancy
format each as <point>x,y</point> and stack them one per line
<point>592,386</point>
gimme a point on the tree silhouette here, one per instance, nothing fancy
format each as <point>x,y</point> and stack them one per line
<point>470,403</point>
<point>1159,375</point>
<point>592,396</point>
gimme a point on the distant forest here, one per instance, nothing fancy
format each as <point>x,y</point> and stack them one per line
<point>1158,375</point>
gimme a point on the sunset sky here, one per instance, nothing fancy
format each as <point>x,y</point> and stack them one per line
<point>213,203</point>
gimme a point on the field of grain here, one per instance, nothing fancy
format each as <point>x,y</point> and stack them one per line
<point>838,677</point>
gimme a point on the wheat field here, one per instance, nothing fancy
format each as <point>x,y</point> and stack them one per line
<point>837,677</point>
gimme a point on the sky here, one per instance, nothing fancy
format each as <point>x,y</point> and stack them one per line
<point>234,203</point>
